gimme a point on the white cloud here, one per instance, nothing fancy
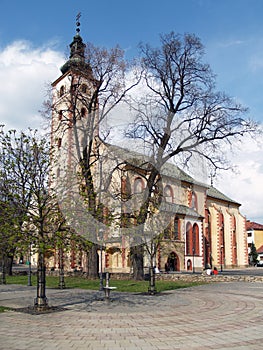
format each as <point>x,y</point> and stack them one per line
<point>25,73</point>
<point>231,43</point>
<point>245,186</point>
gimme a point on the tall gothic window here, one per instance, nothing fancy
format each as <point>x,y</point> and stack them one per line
<point>177,235</point>
<point>189,239</point>
<point>196,239</point>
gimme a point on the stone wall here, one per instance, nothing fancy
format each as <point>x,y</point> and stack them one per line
<point>187,277</point>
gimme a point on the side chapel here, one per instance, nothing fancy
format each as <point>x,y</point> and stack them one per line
<point>206,228</point>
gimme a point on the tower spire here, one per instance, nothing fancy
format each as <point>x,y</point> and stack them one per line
<point>78,23</point>
<point>77,52</point>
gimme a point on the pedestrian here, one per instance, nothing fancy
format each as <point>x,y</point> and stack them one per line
<point>215,271</point>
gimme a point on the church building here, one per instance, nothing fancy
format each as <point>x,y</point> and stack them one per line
<point>205,227</point>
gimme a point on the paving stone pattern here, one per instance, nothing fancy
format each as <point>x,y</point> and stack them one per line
<point>215,316</point>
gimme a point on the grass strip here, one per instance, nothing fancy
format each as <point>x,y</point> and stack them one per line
<point>4,308</point>
<point>131,286</point>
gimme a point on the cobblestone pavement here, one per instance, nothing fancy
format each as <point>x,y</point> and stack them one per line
<point>215,316</point>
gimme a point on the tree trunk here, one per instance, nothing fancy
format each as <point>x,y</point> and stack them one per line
<point>9,265</point>
<point>93,262</point>
<point>61,283</point>
<point>152,285</point>
<point>3,279</point>
<point>41,300</point>
<point>137,262</point>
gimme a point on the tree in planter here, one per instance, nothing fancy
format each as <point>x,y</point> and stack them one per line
<point>10,236</point>
<point>14,189</point>
<point>25,170</point>
<point>180,114</point>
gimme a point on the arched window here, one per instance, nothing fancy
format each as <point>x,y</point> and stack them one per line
<point>221,238</point>
<point>194,201</point>
<point>83,112</point>
<point>168,194</point>
<point>84,88</point>
<point>234,242</point>
<point>189,239</point>
<point>62,91</point>
<point>177,234</point>
<point>60,115</point>
<point>59,142</point>
<point>196,239</point>
<point>207,239</point>
<point>192,239</point>
<point>138,185</point>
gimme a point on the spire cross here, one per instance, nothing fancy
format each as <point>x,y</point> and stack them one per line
<point>78,22</point>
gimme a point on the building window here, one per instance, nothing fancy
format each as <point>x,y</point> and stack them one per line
<point>177,235</point>
<point>138,185</point>
<point>62,91</point>
<point>249,234</point>
<point>60,115</point>
<point>84,88</point>
<point>192,239</point>
<point>196,239</point>
<point>194,201</point>
<point>168,194</point>
<point>59,142</point>
<point>189,239</point>
<point>83,112</point>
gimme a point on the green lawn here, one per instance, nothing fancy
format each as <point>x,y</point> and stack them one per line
<point>122,285</point>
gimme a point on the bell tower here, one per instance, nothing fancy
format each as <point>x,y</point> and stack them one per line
<point>74,112</point>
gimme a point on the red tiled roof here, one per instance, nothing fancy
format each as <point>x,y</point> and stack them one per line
<point>260,250</point>
<point>254,226</point>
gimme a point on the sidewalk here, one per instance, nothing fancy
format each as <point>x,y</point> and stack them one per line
<point>215,316</point>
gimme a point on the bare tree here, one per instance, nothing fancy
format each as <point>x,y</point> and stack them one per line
<point>96,85</point>
<point>181,114</point>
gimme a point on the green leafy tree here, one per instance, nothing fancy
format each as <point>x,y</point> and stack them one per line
<point>253,255</point>
<point>25,171</point>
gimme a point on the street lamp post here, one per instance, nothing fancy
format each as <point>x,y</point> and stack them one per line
<point>193,260</point>
<point>221,257</point>
<point>101,274</point>
<point>61,283</point>
<point>29,282</point>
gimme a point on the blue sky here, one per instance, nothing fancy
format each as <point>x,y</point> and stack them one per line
<point>34,36</point>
